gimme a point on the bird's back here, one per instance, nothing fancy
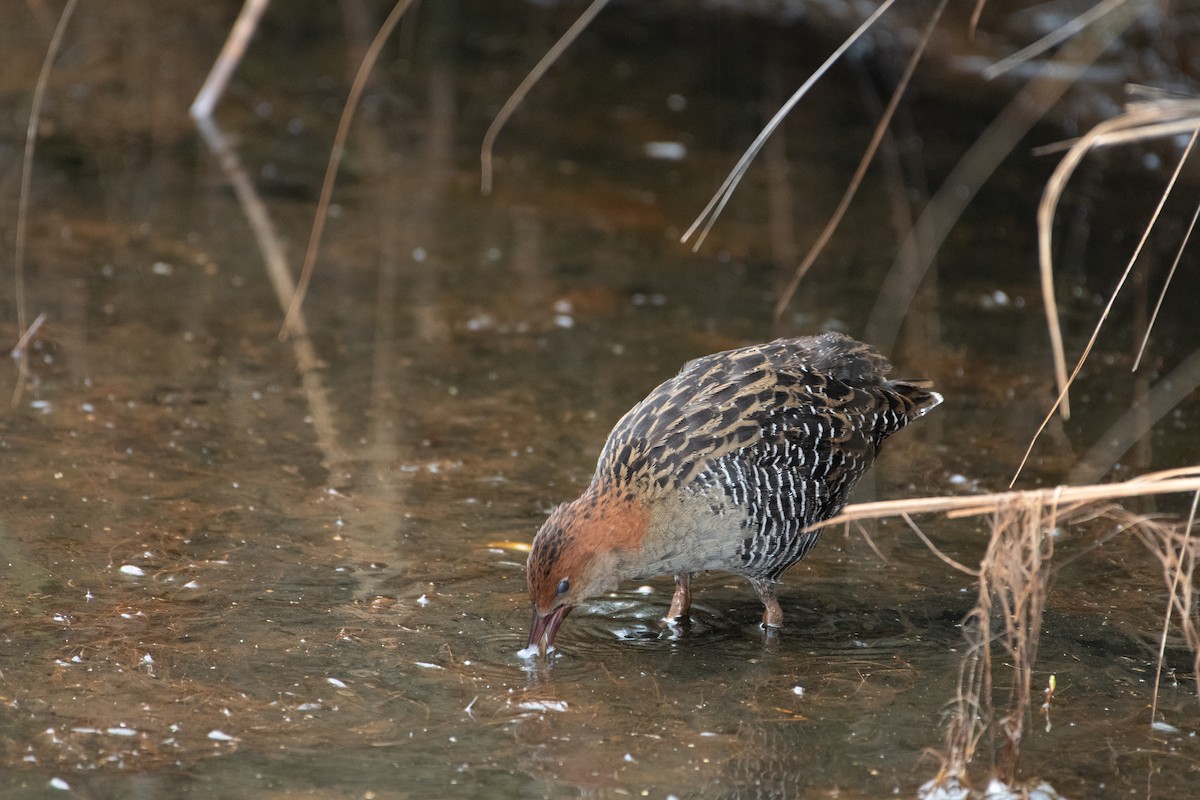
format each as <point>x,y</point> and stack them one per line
<point>764,440</point>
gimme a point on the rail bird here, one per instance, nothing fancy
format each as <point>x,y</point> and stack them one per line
<point>727,466</point>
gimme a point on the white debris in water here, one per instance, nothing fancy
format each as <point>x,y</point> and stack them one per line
<point>427,665</point>
<point>957,480</point>
<point>60,784</point>
<point>644,590</point>
<point>798,691</point>
<point>191,585</point>
<point>162,268</point>
<point>336,682</point>
<point>629,757</point>
<point>1165,727</point>
<point>530,652</point>
<point>950,790</point>
<point>120,731</point>
<point>221,736</point>
<point>147,659</point>
<point>997,790</point>
<point>665,151</point>
<point>422,601</point>
<point>996,299</point>
<point>543,705</point>
<point>132,569</point>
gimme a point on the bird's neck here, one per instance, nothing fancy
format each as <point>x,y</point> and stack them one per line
<point>616,520</point>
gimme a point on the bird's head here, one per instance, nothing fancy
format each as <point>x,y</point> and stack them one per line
<point>576,555</point>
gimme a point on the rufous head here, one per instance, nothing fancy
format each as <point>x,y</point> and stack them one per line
<point>573,557</point>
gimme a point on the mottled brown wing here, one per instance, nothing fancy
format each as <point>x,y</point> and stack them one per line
<point>715,405</point>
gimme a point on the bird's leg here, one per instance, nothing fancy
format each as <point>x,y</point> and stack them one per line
<point>772,612</point>
<point>682,600</point>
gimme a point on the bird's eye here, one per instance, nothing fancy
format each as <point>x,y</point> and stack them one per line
<point>563,586</point>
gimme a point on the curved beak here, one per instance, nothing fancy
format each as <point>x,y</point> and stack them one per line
<point>544,627</point>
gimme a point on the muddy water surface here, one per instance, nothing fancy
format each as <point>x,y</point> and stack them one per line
<point>226,578</point>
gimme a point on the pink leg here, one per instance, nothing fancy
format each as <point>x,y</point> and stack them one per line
<point>682,600</point>
<point>772,612</point>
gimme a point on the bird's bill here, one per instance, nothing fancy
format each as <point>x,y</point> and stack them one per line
<point>544,628</point>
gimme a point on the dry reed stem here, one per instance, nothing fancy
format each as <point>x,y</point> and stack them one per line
<point>522,90</point>
<point>1012,585</point>
<point>1057,36</point>
<point>868,156</point>
<point>21,354</point>
<point>1143,122</point>
<point>1183,243</point>
<point>1173,481</point>
<point>1177,555</point>
<point>1022,544</point>
<point>291,318</point>
<point>976,14</point>
<point>716,205</point>
<point>231,55</point>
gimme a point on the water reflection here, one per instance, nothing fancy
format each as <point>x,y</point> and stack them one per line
<point>198,599</point>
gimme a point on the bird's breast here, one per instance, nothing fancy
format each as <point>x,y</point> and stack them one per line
<point>693,530</point>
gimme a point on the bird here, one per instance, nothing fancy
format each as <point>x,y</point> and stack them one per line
<point>727,466</point>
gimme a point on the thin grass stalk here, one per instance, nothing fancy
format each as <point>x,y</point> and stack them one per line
<point>1149,122</point>
<point>231,55</point>
<point>1172,481</point>
<point>717,204</point>
<point>1187,237</point>
<point>868,156</point>
<point>1179,597</point>
<point>522,90</point>
<point>976,14</point>
<point>1055,37</point>
<point>21,354</point>
<point>335,161</point>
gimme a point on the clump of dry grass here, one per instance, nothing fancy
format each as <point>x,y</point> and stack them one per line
<point>1013,586</point>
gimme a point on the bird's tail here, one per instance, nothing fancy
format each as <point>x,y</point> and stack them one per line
<point>918,393</point>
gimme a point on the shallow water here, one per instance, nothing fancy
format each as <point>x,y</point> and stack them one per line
<point>222,578</point>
